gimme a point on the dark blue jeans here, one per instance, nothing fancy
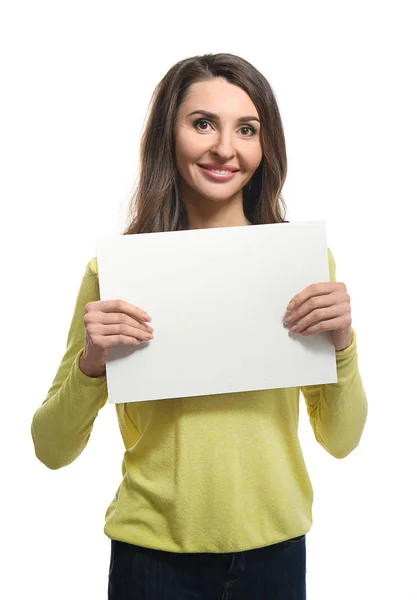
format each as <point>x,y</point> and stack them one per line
<point>276,572</point>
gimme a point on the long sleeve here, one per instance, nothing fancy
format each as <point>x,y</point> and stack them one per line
<point>62,425</point>
<point>338,411</point>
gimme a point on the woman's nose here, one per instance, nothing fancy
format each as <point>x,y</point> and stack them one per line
<point>223,146</point>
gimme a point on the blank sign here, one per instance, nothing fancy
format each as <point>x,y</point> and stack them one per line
<point>217,298</point>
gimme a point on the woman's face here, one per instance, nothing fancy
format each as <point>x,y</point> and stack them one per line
<point>228,138</point>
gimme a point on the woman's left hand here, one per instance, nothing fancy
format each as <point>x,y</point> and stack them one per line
<point>322,307</point>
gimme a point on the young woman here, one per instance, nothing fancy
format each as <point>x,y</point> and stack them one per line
<point>215,499</point>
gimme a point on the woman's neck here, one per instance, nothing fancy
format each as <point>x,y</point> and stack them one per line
<point>204,213</point>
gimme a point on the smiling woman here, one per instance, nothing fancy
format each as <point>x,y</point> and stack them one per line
<point>210,114</point>
<point>215,499</point>
<point>227,150</point>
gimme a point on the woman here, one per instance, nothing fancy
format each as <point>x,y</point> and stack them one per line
<point>215,499</point>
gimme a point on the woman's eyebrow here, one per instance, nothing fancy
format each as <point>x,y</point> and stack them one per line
<point>215,117</point>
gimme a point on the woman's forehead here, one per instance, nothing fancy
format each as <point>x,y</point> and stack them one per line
<point>220,97</point>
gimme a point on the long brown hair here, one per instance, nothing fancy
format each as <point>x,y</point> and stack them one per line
<point>156,204</point>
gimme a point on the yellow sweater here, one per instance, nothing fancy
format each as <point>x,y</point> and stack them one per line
<point>221,473</point>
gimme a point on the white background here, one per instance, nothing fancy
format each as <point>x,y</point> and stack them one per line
<point>77,79</point>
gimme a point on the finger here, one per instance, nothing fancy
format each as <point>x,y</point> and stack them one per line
<point>330,325</point>
<point>314,303</point>
<point>317,303</point>
<point>120,306</point>
<point>112,341</point>
<point>124,330</point>
<point>315,289</point>
<point>320,314</point>
<point>113,318</point>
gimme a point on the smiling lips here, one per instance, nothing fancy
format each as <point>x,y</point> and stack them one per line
<point>217,172</point>
<point>218,167</point>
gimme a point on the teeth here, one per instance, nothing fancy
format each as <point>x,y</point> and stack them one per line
<point>220,172</point>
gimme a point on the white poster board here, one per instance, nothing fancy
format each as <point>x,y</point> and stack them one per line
<point>217,298</point>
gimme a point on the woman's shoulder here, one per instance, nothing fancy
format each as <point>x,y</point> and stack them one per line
<point>91,268</point>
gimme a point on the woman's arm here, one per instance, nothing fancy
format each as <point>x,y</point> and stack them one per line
<point>63,423</point>
<point>338,411</point>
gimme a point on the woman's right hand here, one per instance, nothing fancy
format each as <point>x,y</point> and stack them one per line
<point>109,323</point>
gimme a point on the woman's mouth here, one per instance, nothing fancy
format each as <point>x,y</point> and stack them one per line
<point>218,174</point>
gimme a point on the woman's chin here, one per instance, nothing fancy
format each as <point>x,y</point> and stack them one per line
<point>218,195</point>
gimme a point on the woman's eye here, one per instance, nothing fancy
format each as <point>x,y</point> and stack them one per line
<point>199,121</point>
<point>252,131</point>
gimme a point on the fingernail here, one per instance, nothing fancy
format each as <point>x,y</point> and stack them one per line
<point>290,306</point>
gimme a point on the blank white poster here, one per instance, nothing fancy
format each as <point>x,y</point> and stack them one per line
<point>217,298</point>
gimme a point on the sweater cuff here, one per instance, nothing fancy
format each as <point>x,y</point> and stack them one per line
<point>347,355</point>
<point>86,379</point>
